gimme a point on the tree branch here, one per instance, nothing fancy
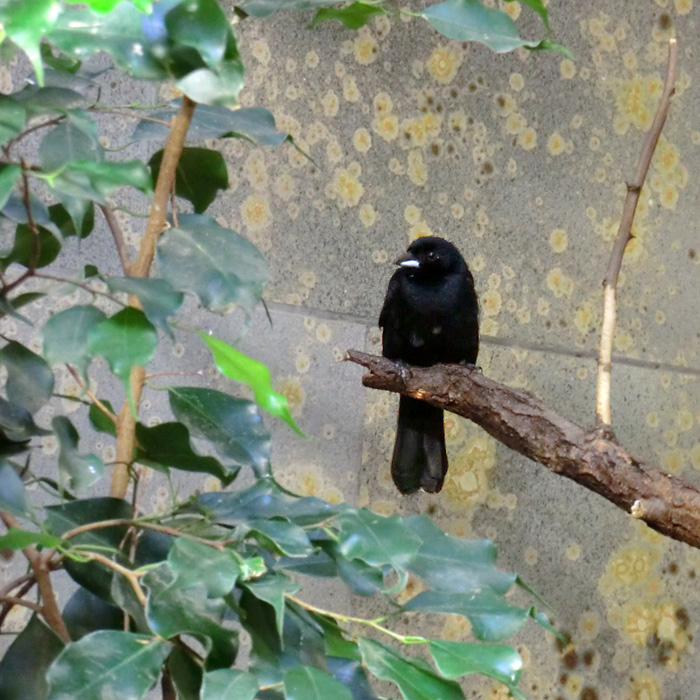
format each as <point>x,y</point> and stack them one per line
<point>624,235</point>
<point>118,236</point>
<point>523,423</point>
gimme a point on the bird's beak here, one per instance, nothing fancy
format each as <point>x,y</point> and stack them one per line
<point>407,260</point>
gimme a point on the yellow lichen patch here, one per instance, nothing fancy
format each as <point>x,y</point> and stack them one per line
<point>505,105</point>
<point>255,170</point>
<point>456,628</point>
<point>444,62</point>
<point>674,460</point>
<point>311,59</point>
<point>255,212</point>
<point>386,125</point>
<point>383,102</point>
<point>643,686</point>
<point>431,123</point>
<point>639,621</point>
<point>368,215</point>
<point>584,317</point>
<point>330,104</point>
<point>695,457</point>
<point>556,144</point>
<point>415,132</point>
<point>527,139</point>
<point>491,303</point>
<point>454,429</point>
<point>683,7</point>
<point>417,170</point>
<point>573,551</point>
<point>365,49</point>
<point>362,140</point>
<point>515,123</point>
<point>589,626</point>
<point>350,90</point>
<point>668,197</point>
<point>559,284</point>
<point>292,389</point>
<point>419,230</point>
<point>629,566</point>
<point>347,188</point>
<point>261,51</point>
<point>531,555</point>
<point>513,9</point>
<point>567,68</point>
<point>558,240</point>
<point>667,156</point>
<point>636,100</point>
<point>516,82</point>
<point>412,214</point>
<point>467,482</point>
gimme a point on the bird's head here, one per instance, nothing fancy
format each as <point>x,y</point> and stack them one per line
<point>431,255</point>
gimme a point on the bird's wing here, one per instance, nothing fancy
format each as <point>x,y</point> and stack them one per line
<point>391,297</point>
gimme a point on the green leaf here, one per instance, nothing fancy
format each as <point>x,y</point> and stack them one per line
<point>194,563</point>
<point>491,616</point>
<point>172,611</point>
<point>60,61</point>
<point>377,540</point>
<point>455,659</point>
<point>23,666</point>
<point>353,17</point>
<point>65,336</point>
<point>185,674</point>
<point>200,174</point>
<point>12,495</point>
<point>362,578</point>
<point>168,445</point>
<point>233,426</point>
<point>16,423</point>
<point>350,672</point>
<point>107,664</point>
<point>469,20</point>
<point>88,179</point>
<point>308,683</point>
<point>227,684</point>
<point>85,613</point>
<point>158,299</point>
<point>125,340</point>
<point>413,680</point>
<point>263,8</point>
<point>453,564</point>
<point>271,589</point>
<point>15,210</point>
<point>10,306</point>
<point>26,23</point>
<point>76,471</point>
<point>210,87</point>
<point>75,217</point>
<point>29,378</point>
<point>218,265</point>
<point>30,250</point>
<point>281,537</point>
<point>74,139</point>
<point>16,538</point>
<point>235,365</point>
<point>13,117</point>
<point>265,499</point>
<point>100,421</point>
<point>109,5</point>
<point>9,175</point>
<point>256,124</point>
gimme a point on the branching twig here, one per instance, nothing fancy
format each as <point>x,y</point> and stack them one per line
<point>523,423</point>
<point>12,601</point>
<point>92,396</point>
<point>624,234</point>
<point>131,576</point>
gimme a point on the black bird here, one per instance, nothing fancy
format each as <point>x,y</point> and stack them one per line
<point>430,316</point>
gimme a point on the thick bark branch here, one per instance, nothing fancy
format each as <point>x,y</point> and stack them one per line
<point>523,423</point>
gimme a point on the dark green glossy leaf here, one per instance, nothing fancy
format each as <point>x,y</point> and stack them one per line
<point>263,8</point>
<point>85,613</point>
<point>308,683</point>
<point>10,306</point>
<point>59,61</point>
<point>171,611</point>
<point>281,536</point>
<point>377,540</point>
<point>168,445</point>
<point>16,538</point>
<point>455,659</point>
<point>491,616</point>
<point>185,674</point>
<point>65,336</point>
<point>29,378</point>
<point>362,578</point>
<point>194,563</point>
<point>9,175</point>
<point>30,250</point>
<point>48,100</point>
<point>201,25</point>
<point>351,673</point>
<point>265,499</point>
<point>16,211</point>
<point>124,597</point>
<point>453,564</point>
<point>469,20</point>
<point>24,665</point>
<point>100,421</point>
<point>13,117</point>
<point>318,565</point>
<point>158,299</point>
<point>16,423</point>
<point>271,589</point>
<point>219,87</point>
<point>217,264</point>
<point>126,340</point>
<point>233,426</point>
<point>255,124</point>
<point>75,217</point>
<point>74,139</point>
<point>76,471</point>
<point>353,16</point>
<point>227,684</point>
<point>200,174</point>
<point>12,495</point>
<point>26,23</point>
<point>107,664</point>
<point>235,365</point>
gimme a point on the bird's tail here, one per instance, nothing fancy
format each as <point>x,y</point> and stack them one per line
<point>420,458</point>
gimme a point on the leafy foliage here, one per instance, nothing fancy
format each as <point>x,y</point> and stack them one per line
<point>170,592</point>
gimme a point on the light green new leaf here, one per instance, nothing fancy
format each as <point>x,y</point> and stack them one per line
<point>65,336</point>
<point>227,684</point>
<point>107,664</point>
<point>76,471</point>
<point>194,563</point>
<point>235,365</point>
<point>353,17</point>
<point>308,683</point>
<point>29,378</point>
<point>469,20</point>
<point>455,659</point>
<point>108,5</point>
<point>413,680</point>
<point>126,340</point>
<point>15,538</point>
<point>13,117</point>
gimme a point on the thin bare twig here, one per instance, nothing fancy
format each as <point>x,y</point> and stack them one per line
<point>118,236</point>
<point>92,396</point>
<point>131,576</point>
<point>12,601</point>
<point>624,235</point>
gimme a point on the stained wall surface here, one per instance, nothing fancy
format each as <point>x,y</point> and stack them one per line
<point>521,160</point>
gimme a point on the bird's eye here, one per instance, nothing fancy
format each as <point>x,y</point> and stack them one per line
<point>433,256</point>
